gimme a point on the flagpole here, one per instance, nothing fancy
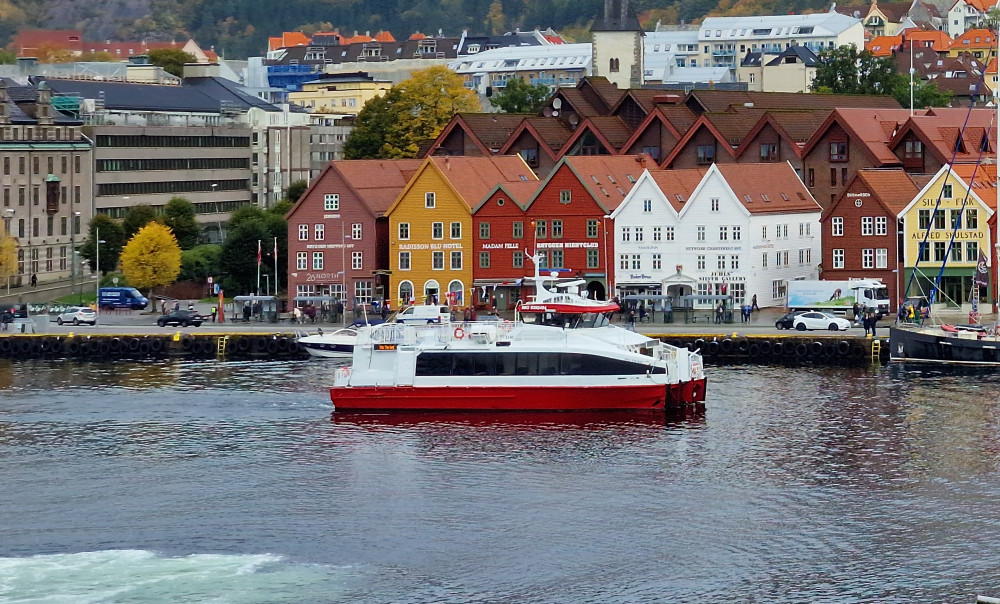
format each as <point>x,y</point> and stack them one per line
<point>275,266</point>
<point>258,267</point>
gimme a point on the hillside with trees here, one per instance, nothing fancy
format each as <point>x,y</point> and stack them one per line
<point>240,28</point>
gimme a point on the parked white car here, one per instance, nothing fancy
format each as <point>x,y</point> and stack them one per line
<point>820,320</point>
<point>77,315</point>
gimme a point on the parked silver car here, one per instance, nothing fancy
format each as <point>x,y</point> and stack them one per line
<point>77,315</point>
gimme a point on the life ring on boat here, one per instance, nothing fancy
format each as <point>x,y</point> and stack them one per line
<point>459,333</point>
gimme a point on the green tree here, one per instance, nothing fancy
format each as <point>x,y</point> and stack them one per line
<point>495,19</point>
<point>281,208</point>
<point>414,111</point>
<point>295,190</point>
<point>925,94</point>
<point>7,57</point>
<point>844,70</point>
<point>200,262</point>
<point>113,236</point>
<point>242,215</point>
<point>178,215</point>
<point>519,96</point>
<point>238,260</point>
<point>152,257</point>
<point>137,217</point>
<point>172,60</point>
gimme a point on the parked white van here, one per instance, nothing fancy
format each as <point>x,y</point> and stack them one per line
<point>424,314</point>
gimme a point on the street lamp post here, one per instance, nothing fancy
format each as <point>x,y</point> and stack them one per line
<point>97,274</point>
<point>8,216</point>
<point>72,249</point>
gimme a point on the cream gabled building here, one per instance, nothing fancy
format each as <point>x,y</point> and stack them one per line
<point>617,42</point>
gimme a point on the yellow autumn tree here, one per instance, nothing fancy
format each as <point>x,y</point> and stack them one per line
<point>8,257</point>
<point>152,257</point>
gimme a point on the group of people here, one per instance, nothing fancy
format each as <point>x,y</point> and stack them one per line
<point>866,317</point>
<point>908,313</point>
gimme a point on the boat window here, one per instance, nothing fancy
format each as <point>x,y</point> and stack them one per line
<point>524,363</point>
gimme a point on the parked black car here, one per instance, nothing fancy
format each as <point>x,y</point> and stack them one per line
<point>788,321</point>
<point>183,318</point>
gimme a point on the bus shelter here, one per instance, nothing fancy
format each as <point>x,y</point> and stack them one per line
<point>255,308</point>
<point>325,306</point>
<point>653,302</point>
<point>704,307</point>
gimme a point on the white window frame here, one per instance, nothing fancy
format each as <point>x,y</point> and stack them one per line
<point>456,266</point>
<point>404,261</point>
<point>317,261</point>
<point>435,258</point>
<point>837,226</point>
<point>430,200</point>
<point>404,231</point>
<point>301,261</point>
<point>356,230</point>
<point>838,257</point>
<point>303,232</point>
<point>439,226</point>
<point>331,202</point>
<point>319,231</point>
<point>357,261</point>
<point>868,257</point>
<point>867,226</point>
<point>882,257</point>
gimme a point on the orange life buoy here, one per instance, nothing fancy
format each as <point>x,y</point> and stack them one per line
<point>459,333</point>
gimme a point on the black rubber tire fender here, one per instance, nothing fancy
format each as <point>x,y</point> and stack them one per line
<point>726,346</point>
<point>802,349</point>
<point>764,347</point>
<point>816,348</point>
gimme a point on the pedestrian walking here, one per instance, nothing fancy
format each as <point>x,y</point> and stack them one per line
<point>215,311</point>
<point>246,311</point>
<point>753,304</point>
<point>297,315</point>
<point>34,279</point>
<point>631,320</point>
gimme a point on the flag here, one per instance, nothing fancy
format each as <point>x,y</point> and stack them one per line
<point>982,276</point>
<point>276,251</point>
<point>258,252</point>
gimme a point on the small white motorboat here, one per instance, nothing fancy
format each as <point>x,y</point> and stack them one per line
<point>336,345</point>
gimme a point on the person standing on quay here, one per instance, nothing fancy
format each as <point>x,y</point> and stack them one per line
<point>753,304</point>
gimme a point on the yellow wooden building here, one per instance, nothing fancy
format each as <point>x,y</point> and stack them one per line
<point>430,226</point>
<point>945,228</point>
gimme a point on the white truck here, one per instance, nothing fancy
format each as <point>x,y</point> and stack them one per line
<point>838,296</point>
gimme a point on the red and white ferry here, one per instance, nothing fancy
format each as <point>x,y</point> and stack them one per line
<point>560,353</point>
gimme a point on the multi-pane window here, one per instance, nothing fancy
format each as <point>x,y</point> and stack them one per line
<point>565,196</point>
<point>484,231</point>
<point>356,261</point>
<point>881,225</point>
<point>723,233</point>
<point>593,259</point>
<point>701,232</point>
<point>668,233</point>
<point>430,200</point>
<point>939,251</point>
<point>404,230</point>
<point>356,231</point>
<point>623,261</point>
<point>720,262</point>
<point>591,229</point>
<point>939,219</point>
<point>657,234</point>
<point>626,233</point>
<point>867,225</point>
<point>404,261</point>
<point>317,261</point>
<point>763,231</point>
<point>518,259</point>
<point>734,262</point>
<point>924,252</point>
<point>701,262</point>
<point>636,262</point>
<point>802,256</point>
<point>301,261</point>
<point>484,259</point>
<point>868,258</point>
<point>838,151</point>
<point>956,252</point>
<point>838,258</point>
<point>971,250</point>
<point>518,231</point>
<point>946,191</point>
<point>638,233</point>
<point>647,205</point>
<point>543,259</point>
<point>437,261</point>
<point>955,219</point>
<point>456,230</point>
<point>657,261</point>
<point>331,202</point>
<point>972,219</point>
<point>541,229</point>
<point>557,259</point>
<point>557,229</point>
<point>737,234</point>
<point>456,261</point>
<point>715,204</point>
<point>923,219</point>
<point>319,232</point>
<point>303,232</point>
<point>437,230</point>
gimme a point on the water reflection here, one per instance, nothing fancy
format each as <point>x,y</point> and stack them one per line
<point>686,417</point>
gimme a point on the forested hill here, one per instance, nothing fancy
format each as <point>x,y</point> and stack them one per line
<point>240,28</point>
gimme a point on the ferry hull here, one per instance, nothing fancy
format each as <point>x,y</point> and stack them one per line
<point>513,398</point>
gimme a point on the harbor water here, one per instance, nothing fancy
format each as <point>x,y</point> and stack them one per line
<point>166,482</point>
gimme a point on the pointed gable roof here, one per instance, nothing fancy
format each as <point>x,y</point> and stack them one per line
<point>518,192</point>
<point>608,178</point>
<point>376,182</point>
<point>655,117</point>
<point>795,127</point>
<point>768,188</point>
<point>872,129</point>
<point>473,177</point>
<point>612,132</point>
<point>487,131</point>
<point>678,185</point>
<point>984,185</point>
<point>703,122</point>
<point>551,134</point>
<point>942,129</point>
<point>893,189</point>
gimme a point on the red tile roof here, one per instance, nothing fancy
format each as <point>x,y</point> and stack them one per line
<point>871,128</point>
<point>985,183</point>
<point>474,177</point>
<point>941,127</point>
<point>288,39</point>
<point>27,41</point>
<point>378,181</point>
<point>894,188</point>
<point>883,46</point>
<point>608,178</point>
<point>674,183</point>
<point>768,188</point>
<point>974,38</point>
